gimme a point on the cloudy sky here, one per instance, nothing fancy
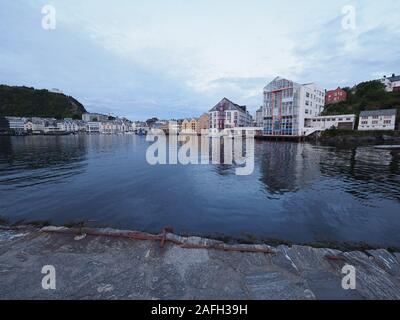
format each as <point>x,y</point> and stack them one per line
<point>176,58</point>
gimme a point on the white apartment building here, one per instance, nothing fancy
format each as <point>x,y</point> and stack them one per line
<point>93,127</point>
<point>391,83</point>
<point>288,104</point>
<point>377,120</point>
<point>322,123</point>
<point>16,124</point>
<point>38,125</point>
<point>228,115</point>
<point>68,125</point>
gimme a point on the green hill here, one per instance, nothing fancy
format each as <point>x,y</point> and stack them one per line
<point>369,95</point>
<point>29,102</point>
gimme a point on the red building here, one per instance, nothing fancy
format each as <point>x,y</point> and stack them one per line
<point>335,96</point>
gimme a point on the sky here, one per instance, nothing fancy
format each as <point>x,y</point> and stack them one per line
<point>173,59</point>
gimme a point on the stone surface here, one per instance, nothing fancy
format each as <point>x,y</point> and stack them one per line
<point>118,268</point>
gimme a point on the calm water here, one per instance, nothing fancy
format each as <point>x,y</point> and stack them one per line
<point>298,192</point>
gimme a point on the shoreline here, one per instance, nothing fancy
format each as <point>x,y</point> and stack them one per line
<point>247,240</point>
<point>114,264</point>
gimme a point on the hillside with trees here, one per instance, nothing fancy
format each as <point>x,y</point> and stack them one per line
<point>366,96</point>
<point>29,102</point>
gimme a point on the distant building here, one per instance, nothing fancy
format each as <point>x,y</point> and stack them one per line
<point>259,117</point>
<point>160,124</point>
<point>288,104</point>
<point>392,84</point>
<point>93,127</point>
<point>188,125</point>
<point>228,115</point>
<point>377,120</point>
<point>94,117</point>
<point>140,125</point>
<point>37,125</point>
<point>55,90</point>
<point>335,96</point>
<point>68,125</point>
<point>203,123</point>
<point>51,126</point>
<point>16,124</point>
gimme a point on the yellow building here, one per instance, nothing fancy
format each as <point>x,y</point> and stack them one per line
<point>189,125</point>
<point>195,125</point>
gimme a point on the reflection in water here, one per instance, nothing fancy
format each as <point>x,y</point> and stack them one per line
<point>36,160</point>
<point>298,192</point>
<point>365,170</point>
<point>287,167</point>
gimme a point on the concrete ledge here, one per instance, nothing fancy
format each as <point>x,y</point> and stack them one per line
<point>101,266</point>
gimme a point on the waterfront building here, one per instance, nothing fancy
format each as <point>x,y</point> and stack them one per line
<point>50,126</point>
<point>322,123</point>
<point>173,126</point>
<point>38,125</point>
<point>93,127</point>
<point>28,125</point>
<point>189,125</point>
<point>228,115</point>
<point>202,123</point>
<point>138,125</point>
<point>16,124</point>
<point>68,125</point>
<point>288,104</point>
<point>107,127</point>
<point>335,96</point>
<point>392,84</point>
<point>159,124</point>
<point>377,120</point>
<point>185,125</point>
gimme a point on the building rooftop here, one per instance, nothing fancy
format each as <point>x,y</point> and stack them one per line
<point>384,112</point>
<point>229,105</point>
<point>394,78</point>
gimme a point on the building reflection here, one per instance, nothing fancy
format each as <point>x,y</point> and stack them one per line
<point>286,167</point>
<point>365,170</point>
<point>362,172</point>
